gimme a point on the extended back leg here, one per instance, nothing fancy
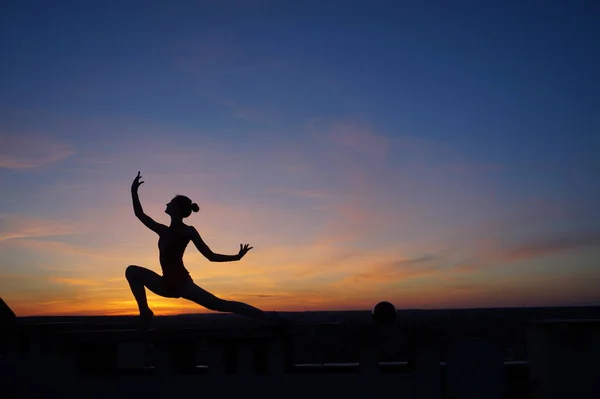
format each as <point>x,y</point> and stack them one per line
<point>193,293</point>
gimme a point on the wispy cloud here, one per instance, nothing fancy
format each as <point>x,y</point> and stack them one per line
<point>83,254</point>
<point>20,226</point>
<point>24,151</point>
<point>308,193</point>
<point>487,252</point>
<point>17,278</point>
<point>553,245</point>
<point>74,281</point>
<point>395,271</point>
<point>360,138</point>
<point>221,54</point>
<point>249,113</point>
<point>351,135</point>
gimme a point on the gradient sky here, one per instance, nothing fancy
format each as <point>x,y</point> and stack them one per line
<point>435,154</point>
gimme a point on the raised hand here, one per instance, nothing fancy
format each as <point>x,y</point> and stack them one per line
<point>244,248</point>
<point>136,182</point>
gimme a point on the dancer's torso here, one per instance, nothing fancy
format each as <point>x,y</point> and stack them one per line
<point>171,246</point>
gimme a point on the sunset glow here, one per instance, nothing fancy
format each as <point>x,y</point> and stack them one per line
<point>364,157</point>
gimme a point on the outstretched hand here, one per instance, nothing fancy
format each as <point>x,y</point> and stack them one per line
<point>244,248</point>
<point>136,182</point>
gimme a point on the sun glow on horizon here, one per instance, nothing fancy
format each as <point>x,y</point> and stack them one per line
<point>364,159</point>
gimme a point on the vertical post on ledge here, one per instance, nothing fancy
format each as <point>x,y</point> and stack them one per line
<point>277,358</point>
<point>475,369</point>
<point>216,361</point>
<point>428,377</point>
<point>369,361</point>
<point>245,357</point>
<point>131,354</point>
<point>164,361</point>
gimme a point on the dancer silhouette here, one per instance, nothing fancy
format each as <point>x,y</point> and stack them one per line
<point>176,281</point>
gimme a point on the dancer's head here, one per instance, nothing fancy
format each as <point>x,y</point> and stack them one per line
<point>181,207</point>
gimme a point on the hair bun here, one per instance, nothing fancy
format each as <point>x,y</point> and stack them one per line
<point>195,207</point>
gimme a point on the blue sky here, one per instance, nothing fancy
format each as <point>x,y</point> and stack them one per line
<point>432,154</point>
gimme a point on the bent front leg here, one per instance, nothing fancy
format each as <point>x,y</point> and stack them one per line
<point>140,278</point>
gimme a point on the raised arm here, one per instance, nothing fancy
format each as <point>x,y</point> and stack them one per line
<point>137,207</point>
<point>210,255</point>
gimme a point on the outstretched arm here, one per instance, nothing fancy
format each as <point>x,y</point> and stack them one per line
<point>210,255</point>
<point>137,207</point>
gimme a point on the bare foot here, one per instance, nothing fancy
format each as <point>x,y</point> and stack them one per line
<point>146,319</point>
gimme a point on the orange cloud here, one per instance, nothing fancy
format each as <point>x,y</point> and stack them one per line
<point>73,281</point>
<point>398,270</point>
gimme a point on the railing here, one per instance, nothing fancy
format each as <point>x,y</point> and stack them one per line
<point>112,361</point>
<point>230,362</point>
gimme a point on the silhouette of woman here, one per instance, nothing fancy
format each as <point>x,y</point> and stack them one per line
<point>176,281</point>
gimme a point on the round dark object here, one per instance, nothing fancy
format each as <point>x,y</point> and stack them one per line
<point>384,313</point>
